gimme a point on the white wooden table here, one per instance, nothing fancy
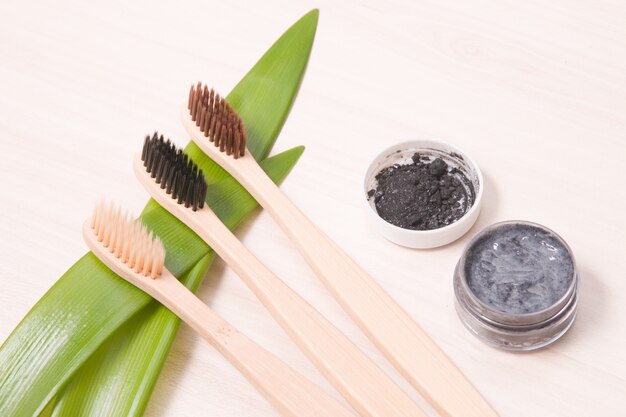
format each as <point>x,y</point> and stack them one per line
<point>535,91</point>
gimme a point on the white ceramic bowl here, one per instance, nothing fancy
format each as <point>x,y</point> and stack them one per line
<point>402,153</point>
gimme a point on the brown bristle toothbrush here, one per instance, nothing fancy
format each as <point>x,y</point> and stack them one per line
<point>177,184</point>
<point>133,253</point>
<point>209,118</point>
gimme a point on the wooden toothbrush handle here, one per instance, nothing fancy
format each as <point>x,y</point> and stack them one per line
<point>289,392</point>
<point>390,328</point>
<point>364,385</point>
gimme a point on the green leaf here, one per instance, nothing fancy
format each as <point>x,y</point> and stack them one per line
<point>89,304</point>
<point>107,384</point>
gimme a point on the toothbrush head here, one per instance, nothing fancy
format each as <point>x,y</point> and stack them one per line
<point>219,122</point>
<point>177,174</point>
<point>127,240</point>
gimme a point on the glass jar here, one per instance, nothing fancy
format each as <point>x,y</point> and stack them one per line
<point>516,286</point>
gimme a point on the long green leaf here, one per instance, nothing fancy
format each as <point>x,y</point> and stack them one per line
<point>107,384</point>
<point>89,303</point>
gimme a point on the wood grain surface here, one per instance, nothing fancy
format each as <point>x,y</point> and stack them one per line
<point>534,91</point>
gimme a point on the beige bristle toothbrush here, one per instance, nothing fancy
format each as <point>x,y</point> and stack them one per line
<point>136,255</point>
<point>209,118</point>
<point>176,183</point>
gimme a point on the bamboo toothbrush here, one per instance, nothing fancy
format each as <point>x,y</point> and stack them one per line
<point>177,184</point>
<point>138,256</point>
<point>209,118</point>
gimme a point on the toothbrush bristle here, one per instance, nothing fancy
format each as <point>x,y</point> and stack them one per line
<point>128,240</point>
<point>177,174</point>
<point>219,122</point>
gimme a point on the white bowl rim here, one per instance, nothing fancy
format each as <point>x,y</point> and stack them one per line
<point>444,147</point>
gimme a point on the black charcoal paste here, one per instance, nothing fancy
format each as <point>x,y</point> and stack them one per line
<point>424,194</point>
<point>519,269</point>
